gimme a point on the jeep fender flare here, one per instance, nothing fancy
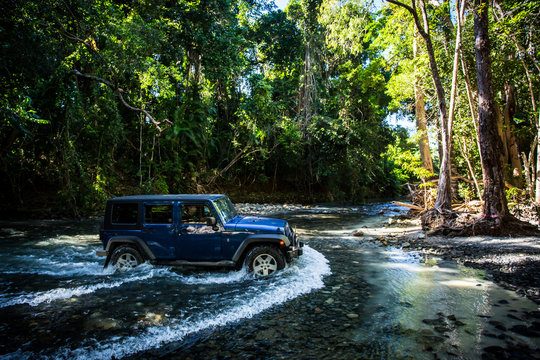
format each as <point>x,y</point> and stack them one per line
<point>261,239</point>
<point>138,243</point>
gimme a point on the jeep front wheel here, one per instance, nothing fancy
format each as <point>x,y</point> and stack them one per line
<point>125,258</point>
<point>264,260</point>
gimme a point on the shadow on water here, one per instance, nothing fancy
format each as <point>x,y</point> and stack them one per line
<point>347,297</point>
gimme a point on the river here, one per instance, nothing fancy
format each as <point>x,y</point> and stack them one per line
<point>346,297</point>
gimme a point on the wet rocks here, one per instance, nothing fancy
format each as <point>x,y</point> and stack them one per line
<point>330,301</point>
<point>98,323</point>
<point>527,331</point>
<point>444,323</point>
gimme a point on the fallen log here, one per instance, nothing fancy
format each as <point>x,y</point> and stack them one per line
<point>410,206</point>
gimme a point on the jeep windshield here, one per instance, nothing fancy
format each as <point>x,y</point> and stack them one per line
<point>225,208</point>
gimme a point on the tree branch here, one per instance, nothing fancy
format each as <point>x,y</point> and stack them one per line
<point>413,12</point>
<point>120,91</point>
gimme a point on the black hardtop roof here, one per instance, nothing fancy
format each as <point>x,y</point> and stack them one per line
<point>169,197</point>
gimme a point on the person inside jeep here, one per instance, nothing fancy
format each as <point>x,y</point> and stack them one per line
<point>189,214</point>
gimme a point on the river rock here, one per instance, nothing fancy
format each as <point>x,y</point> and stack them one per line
<point>358,233</point>
<point>435,322</point>
<point>352,316</point>
<point>154,319</point>
<point>522,330</point>
<point>103,324</point>
<point>441,329</point>
<point>498,325</point>
<point>406,244</point>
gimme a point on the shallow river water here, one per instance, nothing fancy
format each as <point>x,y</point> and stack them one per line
<point>346,297</point>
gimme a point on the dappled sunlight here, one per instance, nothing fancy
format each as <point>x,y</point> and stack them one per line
<point>465,283</point>
<point>417,268</point>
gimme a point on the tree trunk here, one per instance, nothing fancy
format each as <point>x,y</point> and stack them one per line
<point>495,204</point>
<point>537,178</point>
<point>465,153</point>
<point>420,112</point>
<point>528,165</point>
<point>444,190</point>
<point>511,141</point>
<point>451,115</point>
<point>470,98</point>
<point>502,134</point>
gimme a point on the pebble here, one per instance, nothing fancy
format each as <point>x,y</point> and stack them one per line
<point>352,316</point>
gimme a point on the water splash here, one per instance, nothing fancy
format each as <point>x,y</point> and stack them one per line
<point>300,278</point>
<point>36,298</point>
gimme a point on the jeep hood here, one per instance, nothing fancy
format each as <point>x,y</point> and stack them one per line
<point>259,224</point>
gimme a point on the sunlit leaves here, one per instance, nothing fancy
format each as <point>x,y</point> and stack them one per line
<point>347,25</point>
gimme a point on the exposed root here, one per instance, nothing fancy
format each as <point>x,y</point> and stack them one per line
<point>465,224</point>
<point>435,218</point>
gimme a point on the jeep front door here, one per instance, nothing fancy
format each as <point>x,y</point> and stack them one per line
<point>198,241</point>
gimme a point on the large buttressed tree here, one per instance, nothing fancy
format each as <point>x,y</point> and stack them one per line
<point>496,218</point>
<point>495,205</point>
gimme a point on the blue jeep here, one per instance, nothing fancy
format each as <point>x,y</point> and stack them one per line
<point>193,230</point>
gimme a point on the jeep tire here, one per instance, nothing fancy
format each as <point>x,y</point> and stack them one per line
<point>125,257</point>
<point>264,260</point>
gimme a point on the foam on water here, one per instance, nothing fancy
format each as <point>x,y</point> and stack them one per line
<point>304,276</point>
<point>68,262</point>
<point>212,278</point>
<point>35,298</point>
<point>68,240</point>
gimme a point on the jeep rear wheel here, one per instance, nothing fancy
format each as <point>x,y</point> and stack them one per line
<point>125,258</point>
<point>265,260</point>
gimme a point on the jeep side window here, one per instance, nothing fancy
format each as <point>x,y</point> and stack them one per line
<point>158,214</point>
<point>124,213</point>
<point>195,214</point>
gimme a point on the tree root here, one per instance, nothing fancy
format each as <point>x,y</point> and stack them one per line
<point>452,223</point>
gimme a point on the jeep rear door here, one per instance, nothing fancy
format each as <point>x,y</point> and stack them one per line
<point>158,228</point>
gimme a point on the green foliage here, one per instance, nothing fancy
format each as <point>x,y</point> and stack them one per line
<point>232,90</point>
<point>405,153</point>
